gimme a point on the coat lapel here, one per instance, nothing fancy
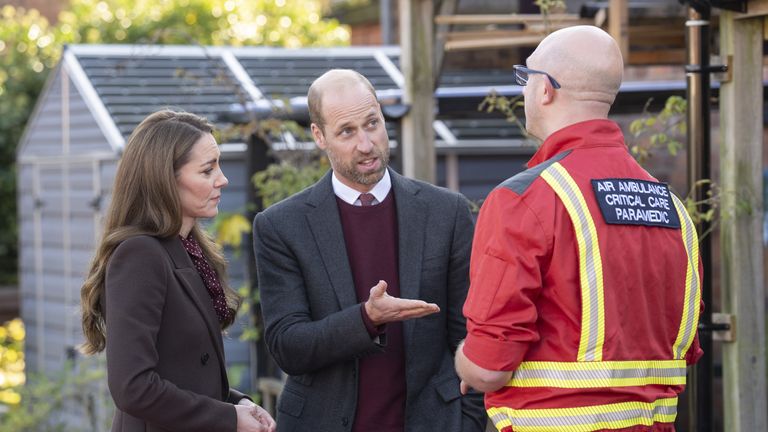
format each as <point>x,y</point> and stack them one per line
<point>325,224</point>
<point>411,221</point>
<point>193,284</point>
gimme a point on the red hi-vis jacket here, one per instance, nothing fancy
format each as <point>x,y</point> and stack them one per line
<point>584,281</point>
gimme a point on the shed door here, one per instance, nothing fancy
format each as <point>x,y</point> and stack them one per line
<point>67,198</point>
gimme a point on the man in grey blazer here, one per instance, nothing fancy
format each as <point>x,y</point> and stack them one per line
<point>362,278</point>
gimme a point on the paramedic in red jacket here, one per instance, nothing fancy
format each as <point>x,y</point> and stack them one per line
<point>584,279</point>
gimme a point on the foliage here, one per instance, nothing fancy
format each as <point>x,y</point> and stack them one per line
<point>547,7</point>
<point>666,128</point>
<point>228,229</point>
<point>45,399</point>
<point>25,53</point>
<point>11,361</point>
<point>293,23</point>
<point>33,403</point>
<point>30,47</point>
<point>281,180</point>
<point>252,332</point>
<point>278,181</point>
<point>715,211</point>
<point>506,106</point>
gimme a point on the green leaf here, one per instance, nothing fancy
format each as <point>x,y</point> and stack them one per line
<point>230,230</point>
<point>250,334</point>
<point>708,215</point>
<point>673,147</point>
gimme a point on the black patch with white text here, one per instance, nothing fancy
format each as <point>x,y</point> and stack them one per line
<point>636,202</point>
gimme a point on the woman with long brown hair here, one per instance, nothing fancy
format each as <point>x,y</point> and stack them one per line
<point>156,297</point>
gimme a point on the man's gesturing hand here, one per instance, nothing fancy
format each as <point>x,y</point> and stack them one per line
<point>383,308</point>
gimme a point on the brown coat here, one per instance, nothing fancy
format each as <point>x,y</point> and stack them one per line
<point>165,356</point>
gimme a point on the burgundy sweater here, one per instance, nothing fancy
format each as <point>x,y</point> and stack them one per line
<point>370,235</point>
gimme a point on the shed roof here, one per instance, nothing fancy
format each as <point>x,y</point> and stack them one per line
<point>131,81</point>
<point>122,84</point>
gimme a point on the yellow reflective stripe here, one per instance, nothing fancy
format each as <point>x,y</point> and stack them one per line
<point>692,299</point>
<point>604,374</point>
<point>590,262</point>
<point>585,419</point>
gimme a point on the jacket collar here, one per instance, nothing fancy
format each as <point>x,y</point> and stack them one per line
<point>586,134</point>
<point>349,195</point>
<point>176,251</point>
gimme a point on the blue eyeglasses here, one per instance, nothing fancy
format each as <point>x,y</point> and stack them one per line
<point>522,72</point>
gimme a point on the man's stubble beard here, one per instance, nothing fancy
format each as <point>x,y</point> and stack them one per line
<point>350,171</point>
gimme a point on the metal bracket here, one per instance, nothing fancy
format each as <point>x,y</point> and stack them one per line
<point>727,74</point>
<point>723,327</point>
<point>693,68</point>
<point>723,72</point>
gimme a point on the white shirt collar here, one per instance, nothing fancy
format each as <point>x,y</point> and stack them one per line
<point>351,196</point>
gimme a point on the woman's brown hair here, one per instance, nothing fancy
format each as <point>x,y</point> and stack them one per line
<point>145,201</point>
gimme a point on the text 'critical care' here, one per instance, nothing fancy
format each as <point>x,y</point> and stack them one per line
<point>635,202</point>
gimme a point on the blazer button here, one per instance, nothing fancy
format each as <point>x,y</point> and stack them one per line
<point>344,421</point>
<point>204,358</point>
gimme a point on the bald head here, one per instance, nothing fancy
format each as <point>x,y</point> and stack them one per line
<point>585,60</point>
<point>327,83</point>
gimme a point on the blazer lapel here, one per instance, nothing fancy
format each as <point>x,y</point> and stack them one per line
<point>325,224</point>
<point>411,221</point>
<point>193,285</point>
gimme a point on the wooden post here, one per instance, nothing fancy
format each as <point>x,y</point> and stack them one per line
<point>417,143</point>
<point>741,126</point>
<point>447,8</point>
<point>618,24</point>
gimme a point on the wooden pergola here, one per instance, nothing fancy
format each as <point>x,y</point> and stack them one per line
<point>427,34</point>
<point>654,40</point>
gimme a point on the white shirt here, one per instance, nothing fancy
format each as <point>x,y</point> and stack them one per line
<point>352,196</point>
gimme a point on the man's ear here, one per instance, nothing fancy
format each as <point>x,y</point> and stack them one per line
<point>548,92</point>
<point>317,134</point>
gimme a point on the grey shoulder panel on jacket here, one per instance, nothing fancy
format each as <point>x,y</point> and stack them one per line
<point>522,181</point>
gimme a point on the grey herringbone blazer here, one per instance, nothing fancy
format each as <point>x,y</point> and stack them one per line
<point>314,328</point>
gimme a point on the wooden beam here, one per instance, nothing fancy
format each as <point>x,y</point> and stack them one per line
<point>488,34</point>
<point>618,22</point>
<point>671,56</point>
<point>509,19</point>
<point>654,41</point>
<point>417,146</point>
<point>447,7</point>
<point>510,42</point>
<point>741,172</point>
<point>755,8</point>
<point>656,29</point>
